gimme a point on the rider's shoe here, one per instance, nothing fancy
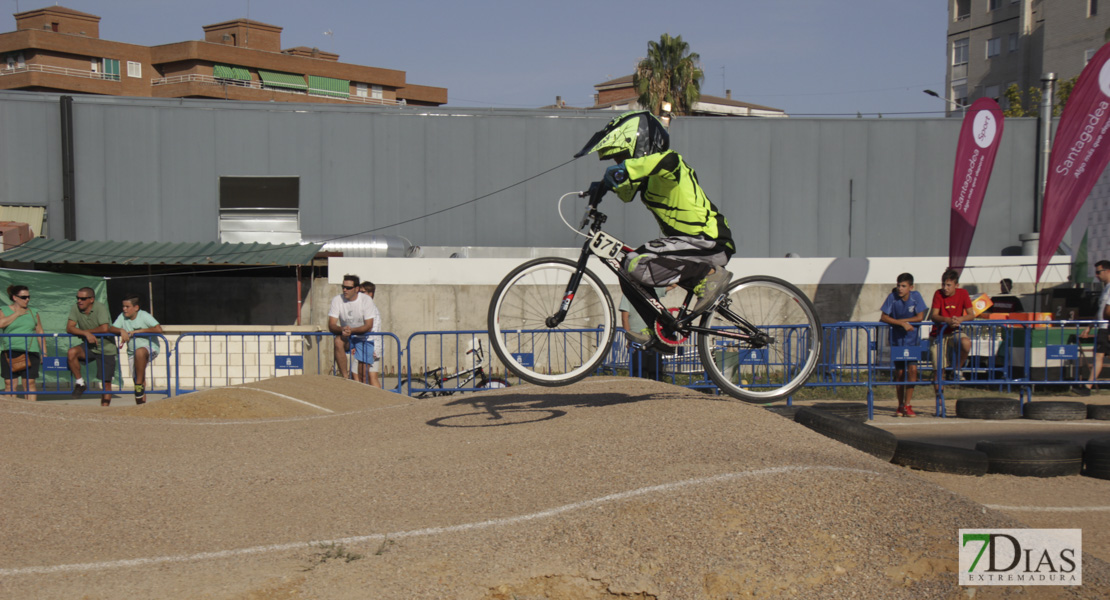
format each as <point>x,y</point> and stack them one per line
<point>641,337</point>
<point>710,288</point>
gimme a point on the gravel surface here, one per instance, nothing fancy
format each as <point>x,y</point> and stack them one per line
<point>314,487</point>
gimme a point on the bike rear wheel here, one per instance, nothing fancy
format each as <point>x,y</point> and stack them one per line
<point>518,322</point>
<point>756,372</point>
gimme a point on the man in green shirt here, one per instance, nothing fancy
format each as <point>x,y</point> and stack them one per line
<point>86,319</point>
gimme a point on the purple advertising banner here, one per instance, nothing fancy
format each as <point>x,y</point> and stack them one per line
<point>975,152</point>
<point>1079,154</point>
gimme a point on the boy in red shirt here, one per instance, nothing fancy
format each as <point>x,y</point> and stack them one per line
<point>951,306</point>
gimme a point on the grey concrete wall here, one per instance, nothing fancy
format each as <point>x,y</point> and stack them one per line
<point>149,169</point>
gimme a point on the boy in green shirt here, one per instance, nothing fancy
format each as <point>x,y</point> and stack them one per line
<point>142,349</point>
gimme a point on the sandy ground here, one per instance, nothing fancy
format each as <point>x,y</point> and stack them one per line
<point>314,487</point>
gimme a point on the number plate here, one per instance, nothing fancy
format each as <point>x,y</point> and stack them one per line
<point>606,246</point>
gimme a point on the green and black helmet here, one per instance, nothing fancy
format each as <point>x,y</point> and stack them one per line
<point>638,133</point>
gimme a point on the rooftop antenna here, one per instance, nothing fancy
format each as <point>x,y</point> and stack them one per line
<point>724,85</point>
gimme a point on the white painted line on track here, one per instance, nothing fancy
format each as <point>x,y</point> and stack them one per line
<point>243,387</point>
<point>551,512</point>
<point>1050,508</point>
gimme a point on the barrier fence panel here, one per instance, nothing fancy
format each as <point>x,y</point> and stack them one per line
<point>447,361</point>
<point>387,360</point>
<point>50,375</point>
<point>209,360</point>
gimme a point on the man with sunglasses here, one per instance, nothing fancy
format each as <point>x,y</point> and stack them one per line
<point>1102,335</point>
<point>86,319</point>
<point>350,314</point>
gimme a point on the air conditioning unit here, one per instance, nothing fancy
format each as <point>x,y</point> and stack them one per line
<point>227,37</point>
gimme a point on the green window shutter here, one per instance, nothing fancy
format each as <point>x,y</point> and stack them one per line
<point>111,68</point>
<point>282,80</point>
<point>222,71</point>
<point>327,86</point>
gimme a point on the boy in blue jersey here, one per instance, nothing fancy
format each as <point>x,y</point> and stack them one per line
<point>903,307</point>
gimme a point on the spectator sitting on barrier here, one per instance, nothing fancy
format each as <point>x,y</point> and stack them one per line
<point>141,350</point>
<point>19,318</point>
<point>902,308</point>
<point>1102,334</point>
<point>350,315</point>
<point>371,372</point>
<point>86,319</point>
<point>951,306</point>
<point>1006,302</point>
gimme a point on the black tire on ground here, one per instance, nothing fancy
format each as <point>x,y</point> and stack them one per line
<point>988,408</point>
<point>785,410</point>
<point>856,411</point>
<point>866,438</point>
<point>1056,410</point>
<point>1096,458</point>
<point>1033,458</point>
<point>1098,411</point>
<point>940,459</point>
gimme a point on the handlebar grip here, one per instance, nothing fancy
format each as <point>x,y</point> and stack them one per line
<point>597,191</point>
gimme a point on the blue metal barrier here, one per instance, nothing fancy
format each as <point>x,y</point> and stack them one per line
<point>385,344</point>
<point>53,357</point>
<point>218,359</point>
<point>446,353</point>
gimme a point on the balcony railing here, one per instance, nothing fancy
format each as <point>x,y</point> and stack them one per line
<point>58,71</point>
<point>257,85</point>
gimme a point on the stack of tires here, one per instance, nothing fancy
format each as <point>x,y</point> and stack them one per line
<point>1023,457</point>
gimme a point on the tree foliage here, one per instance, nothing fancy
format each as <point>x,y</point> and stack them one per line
<point>1029,103</point>
<point>670,73</point>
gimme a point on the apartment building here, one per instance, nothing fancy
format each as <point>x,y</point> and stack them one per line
<point>57,49</point>
<point>619,94</point>
<point>993,44</point>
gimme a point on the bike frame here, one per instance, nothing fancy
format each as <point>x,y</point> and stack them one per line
<point>682,322</point>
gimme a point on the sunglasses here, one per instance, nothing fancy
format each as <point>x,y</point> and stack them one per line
<point>349,287</point>
<point>80,298</point>
<point>28,297</point>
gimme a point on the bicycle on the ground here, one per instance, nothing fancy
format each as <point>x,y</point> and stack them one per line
<point>551,322</point>
<point>431,382</point>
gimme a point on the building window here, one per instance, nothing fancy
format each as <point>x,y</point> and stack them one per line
<point>993,5</point>
<point>991,91</point>
<point>1013,42</point>
<point>360,90</point>
<point>376,92</point>
<point>134,69</point>
<point>994,47</point>
<point>1092,8</point>
<point>963,9</point>
<point>959,93</point>
<point>110,68</point>
<point>959,58</point>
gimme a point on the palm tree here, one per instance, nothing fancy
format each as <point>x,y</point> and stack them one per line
<point>670,73</point>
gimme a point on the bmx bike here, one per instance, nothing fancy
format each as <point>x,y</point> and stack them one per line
<point>430,383</point>
<point>551,322</point>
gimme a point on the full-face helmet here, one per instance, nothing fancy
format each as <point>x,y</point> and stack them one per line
<point>637,133</point>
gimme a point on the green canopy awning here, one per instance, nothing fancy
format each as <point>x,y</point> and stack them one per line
<point>327,86</point>
<point>282,80</point>
<point>230,72</point>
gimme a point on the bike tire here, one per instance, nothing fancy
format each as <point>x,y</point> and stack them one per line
<point>543,355</point>
<point>781,367</point>
<point>420,389</point>
<point>494,383</point>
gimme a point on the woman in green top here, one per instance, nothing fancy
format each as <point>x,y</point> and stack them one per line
<point>15,318</point>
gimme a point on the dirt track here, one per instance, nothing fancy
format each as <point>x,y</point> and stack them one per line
<point>612,488</point>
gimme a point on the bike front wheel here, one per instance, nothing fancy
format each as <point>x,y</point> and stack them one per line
<point>529,343</point>
<point>761,370</point>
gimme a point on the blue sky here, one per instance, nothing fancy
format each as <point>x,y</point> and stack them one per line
<point>809,57</point>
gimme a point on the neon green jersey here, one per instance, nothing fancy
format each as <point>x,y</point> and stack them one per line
<point>669,188</point>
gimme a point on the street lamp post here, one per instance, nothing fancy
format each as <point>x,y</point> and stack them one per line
<point>954,104</point>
